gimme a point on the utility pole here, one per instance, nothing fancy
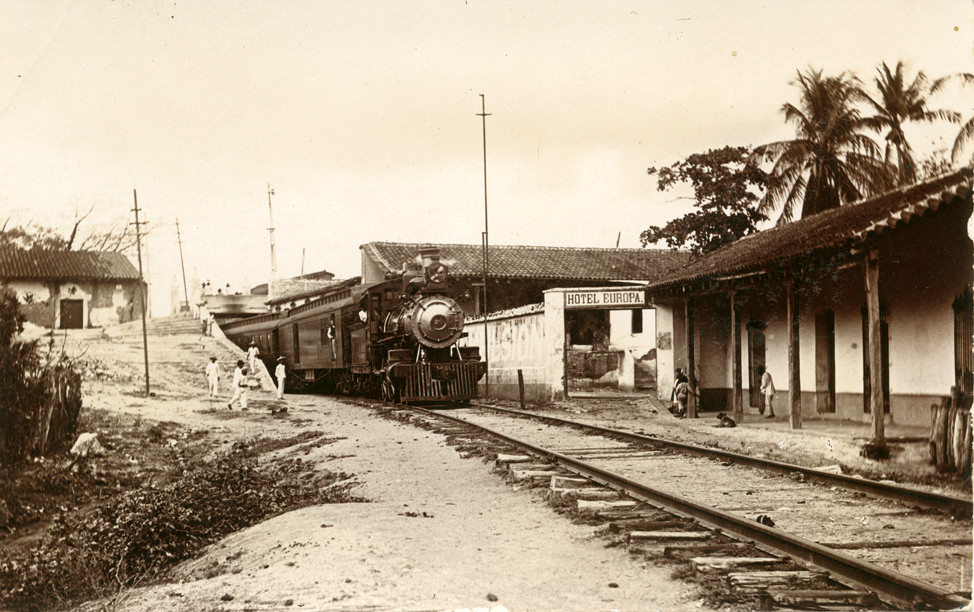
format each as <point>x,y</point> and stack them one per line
<point>483,114</point>
<point>182,265</point>
<point>270,230</point>
<point>138,248</point>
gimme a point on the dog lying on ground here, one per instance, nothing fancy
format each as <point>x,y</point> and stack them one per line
<point>725,421</point>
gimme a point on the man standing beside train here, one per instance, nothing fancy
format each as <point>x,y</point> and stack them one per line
<point>280,373</point>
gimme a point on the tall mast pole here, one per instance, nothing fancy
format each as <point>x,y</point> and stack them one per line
<point>182,265</point>
<point>270,230</point>
<point>138,249</point>
<point>483,114</point>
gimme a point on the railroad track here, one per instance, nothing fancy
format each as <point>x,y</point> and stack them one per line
<point>766,532</point>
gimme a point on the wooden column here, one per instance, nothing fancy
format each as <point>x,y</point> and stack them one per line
<point>735,349</point>
<point>874,357</point>
<point>794,360</point>
<point>691,362</point>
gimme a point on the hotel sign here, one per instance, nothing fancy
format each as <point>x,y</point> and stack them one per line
<point>605,298</point>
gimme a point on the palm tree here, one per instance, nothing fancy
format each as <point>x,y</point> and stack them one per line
<point>896,104</point>
<point>831,161</point>
<point>966,134</point>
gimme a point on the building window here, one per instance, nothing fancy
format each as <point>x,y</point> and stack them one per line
<point>637,321</point>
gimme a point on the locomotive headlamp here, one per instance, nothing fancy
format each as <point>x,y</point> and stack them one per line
<point>438,273</point>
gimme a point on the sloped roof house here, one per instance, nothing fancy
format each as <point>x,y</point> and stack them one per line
<point>72,289</point>
<point>855,310</point>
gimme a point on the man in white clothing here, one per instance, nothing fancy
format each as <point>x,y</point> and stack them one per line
<point>239,385</point>
<point>252,354</point>
<point>213,376</point>
<point>280,373</point>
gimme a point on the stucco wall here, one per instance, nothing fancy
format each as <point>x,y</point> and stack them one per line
<point>514,343</point>
<point>104,303</point>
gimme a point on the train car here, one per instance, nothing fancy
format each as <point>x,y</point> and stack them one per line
<point>396,339</point>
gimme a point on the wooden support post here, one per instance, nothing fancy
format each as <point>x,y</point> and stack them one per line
<point>794,360</point>
<point>875,348</point>
<point>691,363</point>
<point>520,386</point>
<point>735,348</point>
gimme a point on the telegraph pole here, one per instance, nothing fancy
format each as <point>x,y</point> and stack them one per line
<point>270,230</point>
<point>182,265</point>
<point>483,114</point>
<point>138,248</point>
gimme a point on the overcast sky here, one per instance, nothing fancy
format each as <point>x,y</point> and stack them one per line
<point>363,115</point>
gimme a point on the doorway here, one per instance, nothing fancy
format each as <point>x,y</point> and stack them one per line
<point>72,314</point>
<point>755,358</point>
<point>825,362</point>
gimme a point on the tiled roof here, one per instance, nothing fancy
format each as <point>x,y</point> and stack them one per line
<point>289,292</point>
<point>41,264</point>
<point>507,261</point>
<point>841,229</point>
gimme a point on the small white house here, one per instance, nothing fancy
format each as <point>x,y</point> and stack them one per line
<point>72,289</point>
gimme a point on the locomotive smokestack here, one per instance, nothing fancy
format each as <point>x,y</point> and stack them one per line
<point>429,254</point>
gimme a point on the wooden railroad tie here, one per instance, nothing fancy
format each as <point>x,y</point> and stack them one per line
<point>505,460</point>
<point>809,599</point>
<point>717,564</point>
<point>604,509</point>
<point>783,580</point>
<point>564,497</point>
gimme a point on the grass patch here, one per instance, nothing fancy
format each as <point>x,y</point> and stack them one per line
<point>140,534</point>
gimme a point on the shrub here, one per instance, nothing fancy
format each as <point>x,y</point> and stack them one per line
<point>39,399</point>
<point>144,532</point>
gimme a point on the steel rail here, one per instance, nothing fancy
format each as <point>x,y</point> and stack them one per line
<point>899,588</point>
<point>957,506</point>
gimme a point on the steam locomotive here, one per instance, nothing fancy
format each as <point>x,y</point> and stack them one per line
<point>396,339</point>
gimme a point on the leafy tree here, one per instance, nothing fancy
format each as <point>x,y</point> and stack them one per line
<point>966,134</point>
<point>897,103</point>
<point>831,161</point>
<point>726,187</point>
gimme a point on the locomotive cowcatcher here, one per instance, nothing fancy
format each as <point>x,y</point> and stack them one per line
<point>400,339</point>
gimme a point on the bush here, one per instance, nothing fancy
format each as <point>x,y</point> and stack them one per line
<point>39,400</point>
<point>140,535</point>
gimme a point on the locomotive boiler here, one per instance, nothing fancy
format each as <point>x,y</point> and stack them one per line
<point>399,338</point>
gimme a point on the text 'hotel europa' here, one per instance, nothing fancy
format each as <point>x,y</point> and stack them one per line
<point>605,299</point>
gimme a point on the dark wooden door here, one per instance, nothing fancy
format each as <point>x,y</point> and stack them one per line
<point>755,358</point>
<point>72,314</point>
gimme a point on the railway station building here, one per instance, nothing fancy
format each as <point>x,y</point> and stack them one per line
<point>854,310</point>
